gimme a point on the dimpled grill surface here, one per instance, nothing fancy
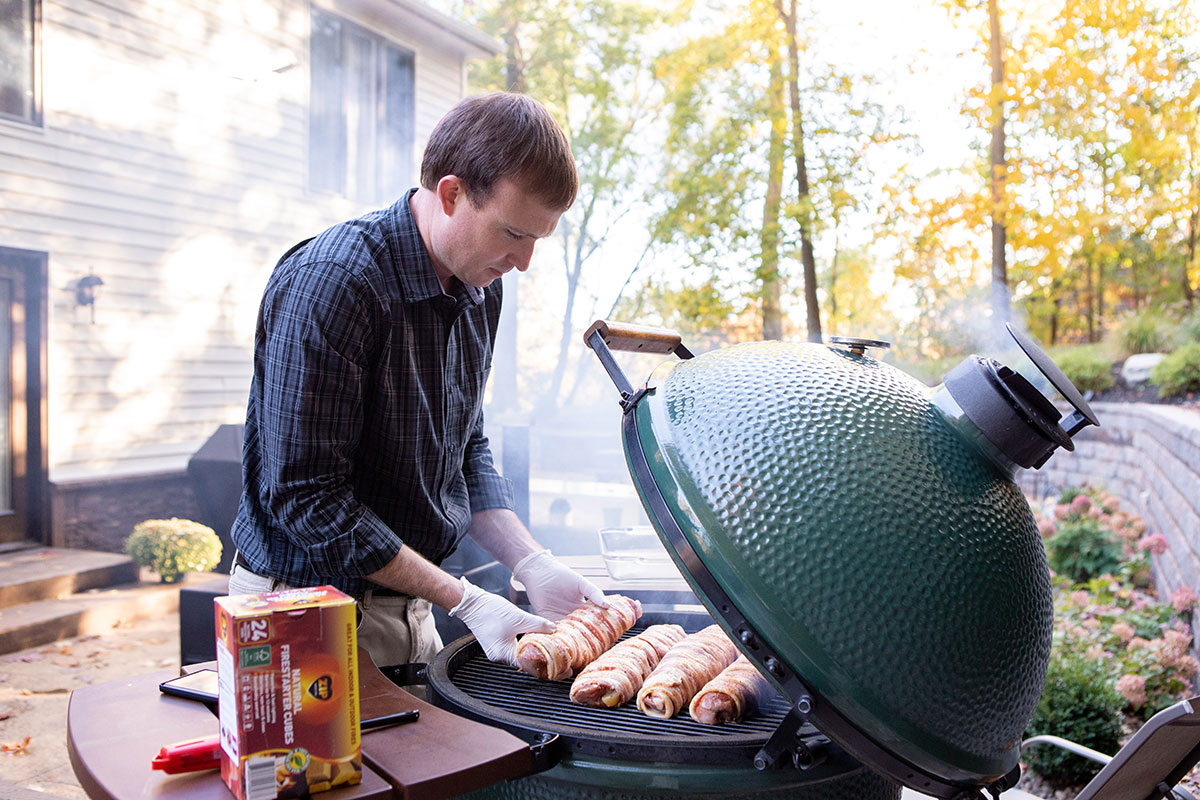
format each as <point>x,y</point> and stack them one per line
<point>901,573</point>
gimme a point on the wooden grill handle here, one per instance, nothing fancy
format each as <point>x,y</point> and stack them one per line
<point>635,338</point>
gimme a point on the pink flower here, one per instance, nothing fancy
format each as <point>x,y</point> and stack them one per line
<point>1096,512</point>
<point>1133,689</point>
<point>1082,504</point>
<point>1175,643</point>
<point>1062,511</point>
<point>1187,667</point>
<point>1123,631</point>
<point>1184,599</point>
<point>1138,643</point>
<point>1138,525</point>
<point>1156,543</point>
<point>1091,623</point>
<point>1046,528</point>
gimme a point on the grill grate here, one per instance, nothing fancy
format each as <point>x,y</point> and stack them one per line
<point>498,692</point>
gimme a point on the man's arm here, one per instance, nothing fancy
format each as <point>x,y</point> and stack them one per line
<point>501,532</point>
<point>316,328</point>
<point>409,572</point>
<point>554,590</point>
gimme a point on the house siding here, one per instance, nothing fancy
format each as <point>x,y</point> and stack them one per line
<point>173,164</point>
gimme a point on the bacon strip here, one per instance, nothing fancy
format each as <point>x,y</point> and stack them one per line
<point>578,639</point>
<point>614,678</point>
<point>731,696</point>
<point>685,668</point>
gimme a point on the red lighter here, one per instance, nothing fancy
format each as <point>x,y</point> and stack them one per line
<point>189,756</point>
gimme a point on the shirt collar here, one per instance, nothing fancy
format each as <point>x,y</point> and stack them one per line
<point>414,267</point>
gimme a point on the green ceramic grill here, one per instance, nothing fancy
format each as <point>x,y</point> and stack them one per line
<point>861,537</point>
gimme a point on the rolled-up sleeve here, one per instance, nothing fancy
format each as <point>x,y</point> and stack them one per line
<point>485,486</point>
<point>319,326</point>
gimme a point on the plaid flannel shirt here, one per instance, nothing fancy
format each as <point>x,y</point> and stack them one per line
<point>364,430</point>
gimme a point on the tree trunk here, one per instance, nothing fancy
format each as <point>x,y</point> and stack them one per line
<point>514,59</point>
<point>999,293</point>
<point>833,276</point>
<point>1054,321</point>
<point>1189,294</point>
<point>807,259</point>
<point>1091,301</point>
<point>768,273</point>
<point>573,259</point>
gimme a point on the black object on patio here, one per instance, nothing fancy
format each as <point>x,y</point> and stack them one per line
<point>215,472</point>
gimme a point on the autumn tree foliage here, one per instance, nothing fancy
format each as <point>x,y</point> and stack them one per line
<point>1105,96</point>
<point>590,64</point>
<point>764,162</point>
<point>748,147</point>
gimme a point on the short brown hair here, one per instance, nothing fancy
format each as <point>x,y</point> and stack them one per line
<point>502,135</point>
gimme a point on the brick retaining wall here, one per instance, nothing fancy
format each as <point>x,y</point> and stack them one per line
<point>1148,456</point>
<point>99,514</point>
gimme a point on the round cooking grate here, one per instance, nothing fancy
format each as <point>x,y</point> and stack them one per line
<point>462,680</point>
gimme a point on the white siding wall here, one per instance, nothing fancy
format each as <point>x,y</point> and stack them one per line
<point>173,165</point>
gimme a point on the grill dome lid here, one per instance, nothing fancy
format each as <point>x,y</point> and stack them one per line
<point>860,535</point>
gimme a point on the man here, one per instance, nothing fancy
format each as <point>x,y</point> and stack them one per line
<point>364,461</point>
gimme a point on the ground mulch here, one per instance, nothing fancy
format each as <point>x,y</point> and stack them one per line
<point>1121,393</point>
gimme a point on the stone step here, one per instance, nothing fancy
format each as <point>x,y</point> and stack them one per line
<point>32,574</point>
<point>91,612</point>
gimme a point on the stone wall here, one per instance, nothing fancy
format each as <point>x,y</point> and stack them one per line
<point>1149,457</point>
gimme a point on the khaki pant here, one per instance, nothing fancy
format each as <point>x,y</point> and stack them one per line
<point>394,630</point>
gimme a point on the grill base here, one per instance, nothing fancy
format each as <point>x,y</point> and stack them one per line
<point>621,781</point>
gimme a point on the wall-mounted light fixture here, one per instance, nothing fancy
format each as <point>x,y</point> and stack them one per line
<point>85,292</point>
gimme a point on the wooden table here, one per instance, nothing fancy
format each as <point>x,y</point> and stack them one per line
<point>114,730</point>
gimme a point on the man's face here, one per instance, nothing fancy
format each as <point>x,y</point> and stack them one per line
<point>478,245</point>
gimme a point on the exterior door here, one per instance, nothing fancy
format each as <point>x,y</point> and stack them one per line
<point>23,472</point>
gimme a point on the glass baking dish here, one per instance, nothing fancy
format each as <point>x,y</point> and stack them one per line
<point>635,554</point>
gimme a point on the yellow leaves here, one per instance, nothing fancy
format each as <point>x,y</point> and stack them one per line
<point>17,747</point>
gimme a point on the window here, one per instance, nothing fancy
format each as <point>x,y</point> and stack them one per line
<point>360,112</point>
<point>20,94</point>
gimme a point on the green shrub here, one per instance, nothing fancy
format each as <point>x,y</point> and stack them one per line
<point>1078,703</point>
<point>1179,372</point>
<point>1087,367</point>
<point>1068,493</point>
<point>1144,332</point>
<point>173,546</point>
<point>1083,549</point>
<point>1189,329</point>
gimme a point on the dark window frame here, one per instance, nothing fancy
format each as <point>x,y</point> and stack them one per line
<point>35,115</point>
<point>32,266</point>
<point>379,165</point>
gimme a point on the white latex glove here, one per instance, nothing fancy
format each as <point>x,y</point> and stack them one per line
<point>496,622</point>
<point>554,589</point>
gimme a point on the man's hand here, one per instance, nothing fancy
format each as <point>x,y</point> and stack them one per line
<point>554,590</point>
<point>496,622</point>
